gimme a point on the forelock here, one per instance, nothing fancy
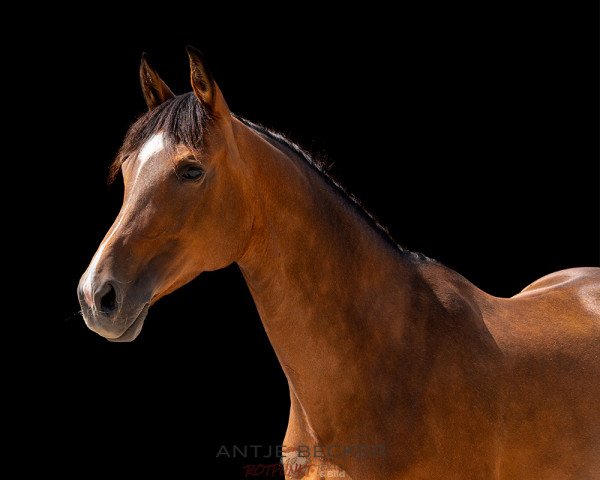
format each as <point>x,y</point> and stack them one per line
<point>182,120</point>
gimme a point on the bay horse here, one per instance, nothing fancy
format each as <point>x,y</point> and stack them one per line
<point>397,350</point>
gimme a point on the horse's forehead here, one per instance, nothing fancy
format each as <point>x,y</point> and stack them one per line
<point>149,159</point>
<point>153,146</point>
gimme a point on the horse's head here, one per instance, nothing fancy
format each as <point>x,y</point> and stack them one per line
<point>185,208</point>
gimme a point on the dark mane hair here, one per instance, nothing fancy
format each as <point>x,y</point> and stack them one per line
<point>321,170</point>
<point>183,120</point>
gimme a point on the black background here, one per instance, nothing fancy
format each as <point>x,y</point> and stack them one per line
<point>472,133</point>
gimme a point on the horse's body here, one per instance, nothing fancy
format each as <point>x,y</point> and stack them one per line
<point>380,347</point>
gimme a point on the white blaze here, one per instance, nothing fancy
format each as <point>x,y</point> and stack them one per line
<point>149,150</point>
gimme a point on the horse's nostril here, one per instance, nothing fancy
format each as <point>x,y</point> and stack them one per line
<point>108,301</point>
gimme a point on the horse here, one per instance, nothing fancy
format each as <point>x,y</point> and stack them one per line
<point>380,346</point>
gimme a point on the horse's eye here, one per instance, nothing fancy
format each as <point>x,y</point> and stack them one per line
<point>191,172</point>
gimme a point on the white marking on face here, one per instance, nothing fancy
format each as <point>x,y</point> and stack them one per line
<point>153,146</point>
<point>91,271</point>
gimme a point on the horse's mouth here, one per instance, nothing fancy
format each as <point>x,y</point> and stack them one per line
<point>134,329</point>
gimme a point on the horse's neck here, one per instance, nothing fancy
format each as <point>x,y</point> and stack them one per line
<point>334,295</point>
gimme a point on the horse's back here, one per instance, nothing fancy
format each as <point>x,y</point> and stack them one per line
<point>549,335</point>
<point>577,281</point>
<point>568,300</point>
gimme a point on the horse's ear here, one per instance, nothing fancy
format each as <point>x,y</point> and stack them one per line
<point>202,81</point>
<point>155,90</point>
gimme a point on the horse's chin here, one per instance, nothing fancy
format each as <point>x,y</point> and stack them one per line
<point>134,329</point>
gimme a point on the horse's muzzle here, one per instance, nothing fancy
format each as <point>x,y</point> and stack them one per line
<point>106,312</point>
